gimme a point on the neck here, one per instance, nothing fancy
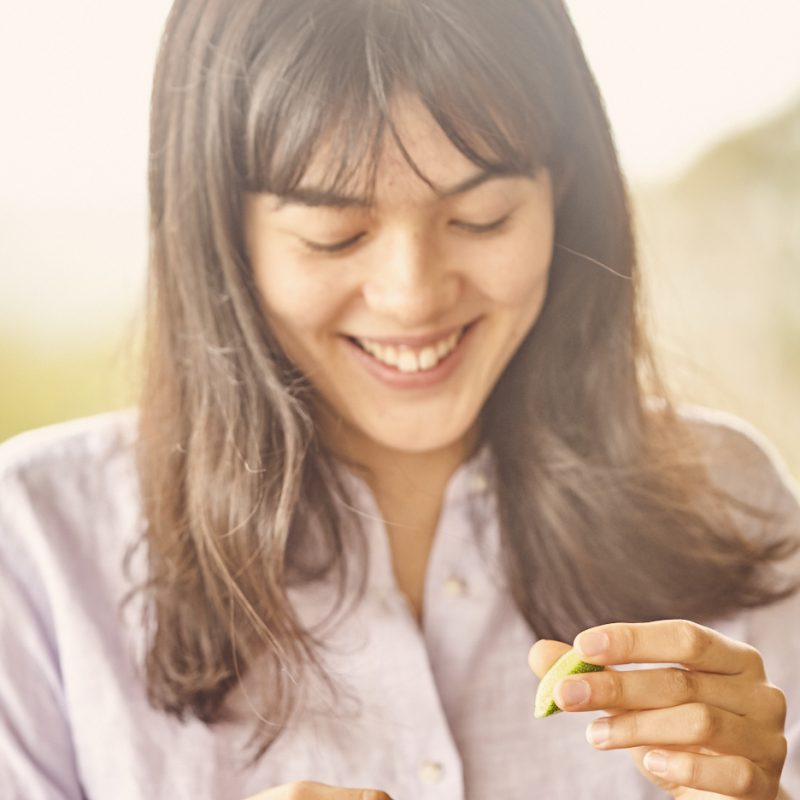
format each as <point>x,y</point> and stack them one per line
<point>408,486</point>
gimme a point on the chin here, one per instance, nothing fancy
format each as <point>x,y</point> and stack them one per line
<point>411,440</point>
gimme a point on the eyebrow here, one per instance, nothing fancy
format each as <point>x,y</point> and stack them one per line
<point>313,197</point>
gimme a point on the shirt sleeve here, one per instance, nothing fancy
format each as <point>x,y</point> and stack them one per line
<point>749,466</point>
<point>37,759</point>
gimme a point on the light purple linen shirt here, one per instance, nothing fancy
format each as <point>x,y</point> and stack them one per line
<point>447,707</point>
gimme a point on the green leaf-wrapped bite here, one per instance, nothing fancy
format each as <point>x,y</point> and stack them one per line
<point>569,664</point>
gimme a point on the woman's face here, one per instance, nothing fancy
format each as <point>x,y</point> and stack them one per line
<point>438,305</point>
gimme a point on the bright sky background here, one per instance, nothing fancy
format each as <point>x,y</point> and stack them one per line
<point>74,78</point>
<point>677,75</point>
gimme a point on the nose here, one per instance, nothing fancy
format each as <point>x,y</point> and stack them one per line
<point>410,282</point>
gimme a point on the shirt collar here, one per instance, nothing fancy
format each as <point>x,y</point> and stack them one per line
<point>471,480</point>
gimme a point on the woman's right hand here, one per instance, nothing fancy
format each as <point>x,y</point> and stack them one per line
<point>308,790</point>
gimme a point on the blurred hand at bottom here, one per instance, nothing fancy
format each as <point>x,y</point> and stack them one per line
<point>309,790</point>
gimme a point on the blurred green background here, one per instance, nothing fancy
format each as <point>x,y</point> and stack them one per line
<point>720,247</point>
<point>41,386</point>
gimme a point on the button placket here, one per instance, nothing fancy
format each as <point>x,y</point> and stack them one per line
<point>420,711</point>
<point>455,586</point>
<point>431,772</point>
<point>478,483</point>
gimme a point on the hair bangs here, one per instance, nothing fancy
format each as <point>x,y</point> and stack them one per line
<point>332,106</point>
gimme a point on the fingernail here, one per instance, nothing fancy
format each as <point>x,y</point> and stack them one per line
<point>572,692</point>
<point>657,762</point>
<point>592,644</point>
<point>598,731</point>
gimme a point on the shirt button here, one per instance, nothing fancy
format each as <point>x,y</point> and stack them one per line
<point>431,772</point>
<point>455,587</point>
<point>478,483</point>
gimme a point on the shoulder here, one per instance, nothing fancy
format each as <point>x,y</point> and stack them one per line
<point>729,433</point>
<point>738,455</point>
<point>65,450</point>
<point>68,475</point>
<point>747,467</point>
<point>72,441</point>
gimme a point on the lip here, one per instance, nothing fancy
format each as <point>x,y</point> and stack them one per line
<point>413,380</point>
<point>411,341</point>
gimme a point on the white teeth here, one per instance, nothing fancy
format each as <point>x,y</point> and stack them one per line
<point>408,360</point>
<point>428,358</point>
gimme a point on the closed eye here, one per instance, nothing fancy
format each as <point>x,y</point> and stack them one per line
<point>336,247</point>
<point>491,226</point>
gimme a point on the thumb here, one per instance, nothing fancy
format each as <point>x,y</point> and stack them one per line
<point>544,654</point>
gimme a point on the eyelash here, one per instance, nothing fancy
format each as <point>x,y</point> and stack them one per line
<point>339,247</point>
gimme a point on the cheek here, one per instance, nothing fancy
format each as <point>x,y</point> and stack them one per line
<point>518,270</point>
<point>516,277</point>
<point>296,296</point>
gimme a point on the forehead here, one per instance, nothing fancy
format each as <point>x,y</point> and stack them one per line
<point>424,162</point>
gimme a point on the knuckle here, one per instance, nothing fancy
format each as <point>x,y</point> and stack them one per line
<point>745,778</point>
<point>629,728</point>
<point>628,637</point>
<point>782,750</point>
<point>703,724</point>
<point>681,684</point>
<point>610,689</point>
<point>694,640</point>
<point>776,702</point>
<point>692,773</point>
<point>755,659</point>
<point>682,769</point>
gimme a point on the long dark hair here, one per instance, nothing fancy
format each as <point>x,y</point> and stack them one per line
<point>606,508</point>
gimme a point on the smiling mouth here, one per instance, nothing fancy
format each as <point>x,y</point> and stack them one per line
<point>412,359</point>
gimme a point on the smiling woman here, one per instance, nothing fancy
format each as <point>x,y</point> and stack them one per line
<point>399,419</point>
<point>411,279</point>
